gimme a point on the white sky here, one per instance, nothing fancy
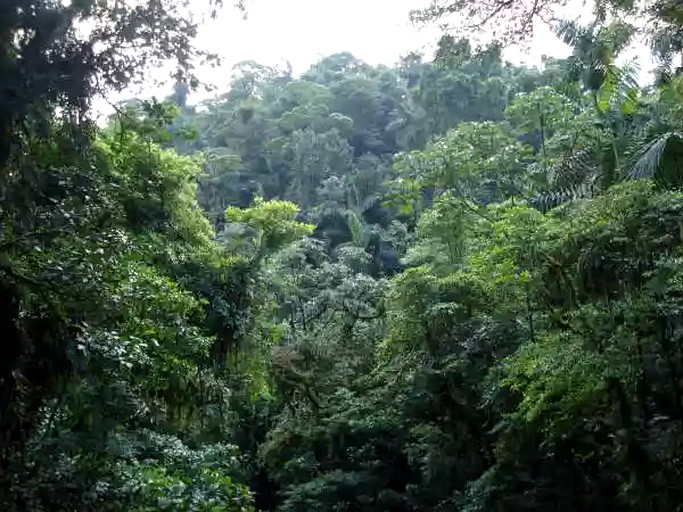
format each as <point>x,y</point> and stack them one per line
<point>303,31</point>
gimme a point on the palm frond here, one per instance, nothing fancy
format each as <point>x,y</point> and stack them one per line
<point>549,199</point>
<point>576,168</point>
<point>659,158</point>
<point>575,177</point>
<point>355,227</point>
<point>569,32</point>
<point>619,87</point>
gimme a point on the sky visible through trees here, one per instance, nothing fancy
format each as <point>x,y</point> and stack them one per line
<point>379,31</point>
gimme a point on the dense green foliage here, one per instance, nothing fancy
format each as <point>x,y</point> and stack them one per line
<point>451,284</point>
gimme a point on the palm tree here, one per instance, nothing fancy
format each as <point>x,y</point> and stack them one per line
<point>613,93</point>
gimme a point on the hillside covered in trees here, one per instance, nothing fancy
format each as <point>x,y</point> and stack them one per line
<point>451,284</point>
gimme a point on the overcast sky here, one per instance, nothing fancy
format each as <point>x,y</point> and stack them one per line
<point>303,31</point>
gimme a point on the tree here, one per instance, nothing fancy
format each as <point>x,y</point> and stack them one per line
<point>272,224</point>
<point>511,21</point>
<point>315,157</point>
<point>48,61</point>
<point>474,306</point>
<point>109,368</point>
